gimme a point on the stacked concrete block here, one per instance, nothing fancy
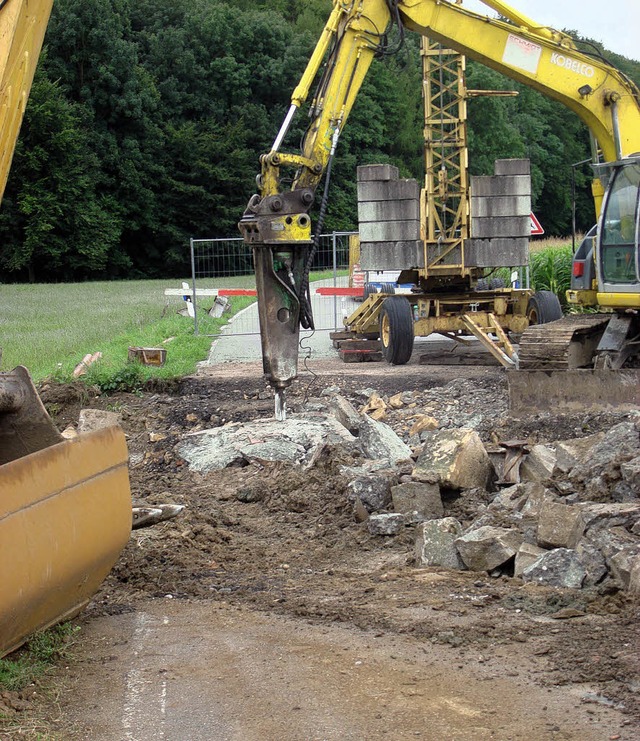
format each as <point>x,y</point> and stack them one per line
<point>389,219</point>
<point>500,216</point>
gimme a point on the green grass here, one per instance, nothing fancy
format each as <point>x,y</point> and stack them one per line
<point>49,328</point>
<point>550,267</point>
<point>36,658</point>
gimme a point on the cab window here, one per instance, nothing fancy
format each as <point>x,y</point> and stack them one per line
<point>620,223</point>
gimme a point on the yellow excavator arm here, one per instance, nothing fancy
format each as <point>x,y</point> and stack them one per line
<point>22,27</point>
<point>540,57</point>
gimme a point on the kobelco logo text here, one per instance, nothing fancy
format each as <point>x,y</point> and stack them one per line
<point>572,64</point>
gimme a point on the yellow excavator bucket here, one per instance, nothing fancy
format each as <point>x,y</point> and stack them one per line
<point>65,513</point>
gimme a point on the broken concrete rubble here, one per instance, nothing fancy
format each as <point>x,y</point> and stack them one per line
<point>570,453</point>
<point>95,419</point>
<point>560,567</point>
<point>378,441</point>
<point>544,528</point>
<point>414,496</point>
<point>559,525</point>
<point>373,490</point>
<point>599,478</point>
<point>293,441</point>
<point>527,555</point>
<point>346,414</point>
<point>386,524</point>
<point>423,423</point>
<point>455,459</point>
<point>539,464</point>
<point>487,548</point>
<point>435,543</point>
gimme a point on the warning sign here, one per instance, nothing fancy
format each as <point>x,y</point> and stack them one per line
<point>536,226</point>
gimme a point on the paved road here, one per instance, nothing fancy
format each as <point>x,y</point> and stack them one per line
<point>238,346</point>
<point>183,671</point>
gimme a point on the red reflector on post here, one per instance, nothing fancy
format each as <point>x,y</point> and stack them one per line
<point>578,269</point>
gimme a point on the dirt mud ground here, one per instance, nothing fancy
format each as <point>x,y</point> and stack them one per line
<point>271,542</point>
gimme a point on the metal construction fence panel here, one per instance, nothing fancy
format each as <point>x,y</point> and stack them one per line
<point>222,273</point>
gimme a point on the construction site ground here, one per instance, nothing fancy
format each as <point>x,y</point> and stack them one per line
<point>266,611</point>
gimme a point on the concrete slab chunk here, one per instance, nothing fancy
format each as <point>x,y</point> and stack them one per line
<point>418,497</point>
<point>560,567</point>
<point>539,464</point>
<point>527,555</point>
<point>559,525</point>
<point>488,547</point>
<point>454,458</point>
<point>390,523</point>
<point>377,172</point>
<point>378,441</point>
<point>95,419</point>
<point>435,543</point>
<point>292,441</point>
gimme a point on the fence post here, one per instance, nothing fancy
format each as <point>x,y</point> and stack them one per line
<point>193,286</point>
<point>335,279</point>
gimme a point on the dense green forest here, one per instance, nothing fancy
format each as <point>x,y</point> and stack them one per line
<point>147,117</point>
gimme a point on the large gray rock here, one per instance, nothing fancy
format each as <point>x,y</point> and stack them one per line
<point>527,554</point>
<point>95,419</point>
<point>628,490</point>
<point>537,497</point>
<point>373,490</point>
<point>560,567</point>
<point>593,561</point>
<point>598,477</point>
<point>634,578</point>
<point>612,541</point>
<point>559,525</point>
<point>414,496</point>
<point>512,498</point>
<point>293,441</point>
<point>488,547</point>
<point>456,459</point>
<point>622,564</point>
<point>539,464</point>
<point>346,414</point>
<point>435,543</point>
<point>378,441</point>
<point>388,523</point>
<point>612,514</point>
<point>570,453</point>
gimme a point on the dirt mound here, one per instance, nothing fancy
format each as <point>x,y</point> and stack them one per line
<point>282,538</point>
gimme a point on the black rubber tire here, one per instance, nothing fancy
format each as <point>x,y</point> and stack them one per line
<point>368,290</point>
<point>496,283</point>
<point>388,288</point>
<point>396,330</point>
<point>482,284</point>
<point>544,307</point>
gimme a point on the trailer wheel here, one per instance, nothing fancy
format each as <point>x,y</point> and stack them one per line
<point>396,330</point>
<point>543,307</point>
<point>388,288</point>
<point>368,291</point>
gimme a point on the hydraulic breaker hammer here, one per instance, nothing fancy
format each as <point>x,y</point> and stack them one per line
<point>278,228</point>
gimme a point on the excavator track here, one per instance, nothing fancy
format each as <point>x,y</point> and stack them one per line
<point>567,343</point>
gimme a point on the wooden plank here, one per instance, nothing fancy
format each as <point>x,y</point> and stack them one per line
<point>356,356</point>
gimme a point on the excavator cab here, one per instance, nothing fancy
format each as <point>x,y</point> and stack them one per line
<point>618,268</point>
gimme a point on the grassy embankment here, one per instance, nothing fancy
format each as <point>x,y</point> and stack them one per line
<point>49,328</point>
